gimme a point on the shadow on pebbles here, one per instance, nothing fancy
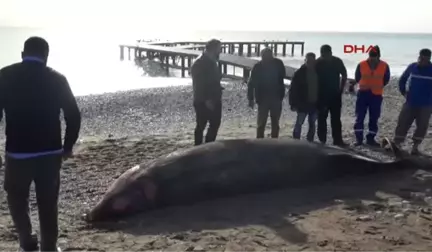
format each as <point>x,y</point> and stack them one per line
<point>371,213</point>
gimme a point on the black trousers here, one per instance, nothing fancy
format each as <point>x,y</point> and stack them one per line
<point>332,107</point>
<point>274,108</point>
<point>44,171</point>
<point>204,116</point>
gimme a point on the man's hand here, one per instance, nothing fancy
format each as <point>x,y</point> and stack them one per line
<point>67,155</point>
<point>209,104</point>
<point>251,104</point>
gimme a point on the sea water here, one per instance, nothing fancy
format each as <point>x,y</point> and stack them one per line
<point>91,59</point>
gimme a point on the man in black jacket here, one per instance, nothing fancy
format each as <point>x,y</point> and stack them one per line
<point>303,97</point>
<point>32,95</point>
<point>207,92</point>
<point>332,77</point>
<point>266,85</point>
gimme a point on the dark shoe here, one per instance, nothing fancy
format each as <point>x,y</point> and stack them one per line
<point>33,245</point>
<point>340,144</point>
<point>358,143</point>
<point>415,152</point>
<point>373,143</point>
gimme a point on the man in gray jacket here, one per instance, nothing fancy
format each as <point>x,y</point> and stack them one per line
<point>266,88</point>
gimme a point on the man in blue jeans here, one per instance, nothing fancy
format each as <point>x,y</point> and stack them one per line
<point>303,97</point>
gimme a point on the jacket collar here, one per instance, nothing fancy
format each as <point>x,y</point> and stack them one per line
<point>33,59</point>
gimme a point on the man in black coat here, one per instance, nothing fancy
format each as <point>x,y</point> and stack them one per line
<point>266,87</point>
<point>332,77</point>
<point>303,97</point>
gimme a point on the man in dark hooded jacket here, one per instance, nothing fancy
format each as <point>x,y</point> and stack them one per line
<point>303,97</point>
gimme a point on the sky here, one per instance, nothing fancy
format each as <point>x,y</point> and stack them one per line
<point>268,15</point>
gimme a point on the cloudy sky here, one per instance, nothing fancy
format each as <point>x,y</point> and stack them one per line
<point>282,15</point>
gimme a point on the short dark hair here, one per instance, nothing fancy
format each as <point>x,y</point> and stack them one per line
<point>266,50</point>
<point>36,46</point>
<point>212,44</point>
<point>310,54</point>
<point>425,52</point>
<point>326,49</point>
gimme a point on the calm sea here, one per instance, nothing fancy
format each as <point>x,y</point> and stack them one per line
<point>90,59</point>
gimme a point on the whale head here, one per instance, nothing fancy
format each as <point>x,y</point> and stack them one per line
<point>131,193</point>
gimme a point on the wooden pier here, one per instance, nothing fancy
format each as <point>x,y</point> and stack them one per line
<point>243,48</point>
<point>181,57</point>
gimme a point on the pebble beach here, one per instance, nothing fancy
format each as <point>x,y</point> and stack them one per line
<point>122,129</point>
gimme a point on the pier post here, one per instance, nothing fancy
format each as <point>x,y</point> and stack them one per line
<point>121,52</point>
<point>183,67</point>
<point>292,50</point>
<point>259,49</point>
<point>167,64</point>
<point>240,50</point>
<point>249,52</point>
<point>189,63</point>
<point>284,49</point>
<point>275,49</point>
<point>302,49</point>
<point>246,73</point>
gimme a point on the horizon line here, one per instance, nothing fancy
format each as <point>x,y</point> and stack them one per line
<point>220,30</point>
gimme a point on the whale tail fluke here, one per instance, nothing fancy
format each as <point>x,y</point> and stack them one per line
<point>391,146</point>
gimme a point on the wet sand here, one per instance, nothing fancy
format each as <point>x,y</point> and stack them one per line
<point>120,130</point>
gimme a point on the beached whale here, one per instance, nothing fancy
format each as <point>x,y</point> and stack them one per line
<point>231,167</point>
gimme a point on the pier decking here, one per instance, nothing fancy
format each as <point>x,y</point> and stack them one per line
<point>243,48</point>
<point>179,55</point>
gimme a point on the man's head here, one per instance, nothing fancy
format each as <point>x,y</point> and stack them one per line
<point>310,59</point>
<point>213,48</point>
<point>424,57</point>
<point>326,51</point>
<point>36,47</point>
<point>266,54</point>
<point>375,53</point>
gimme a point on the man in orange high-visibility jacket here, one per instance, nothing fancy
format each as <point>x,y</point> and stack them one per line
<point>371,75</point>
